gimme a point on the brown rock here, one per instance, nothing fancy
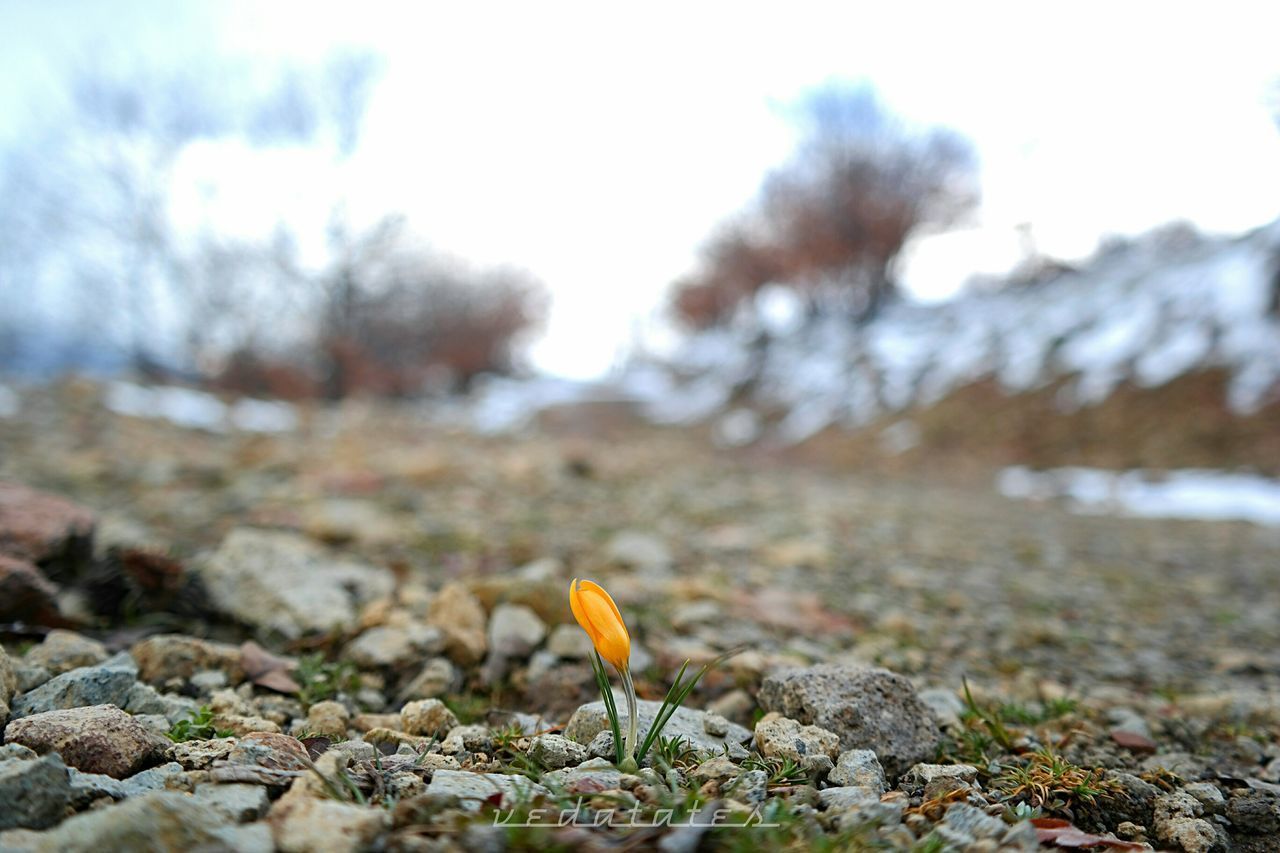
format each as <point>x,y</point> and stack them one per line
<point>270,750</point>
<point>167,656</point>
<point>45,529</point>
<point>459,614</point>
<point>26,594</point>
<point>94,739</point>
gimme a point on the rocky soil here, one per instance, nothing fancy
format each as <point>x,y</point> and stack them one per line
<point>357,637</point>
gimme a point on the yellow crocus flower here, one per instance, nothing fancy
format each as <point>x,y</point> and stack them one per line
<point>599,617</point>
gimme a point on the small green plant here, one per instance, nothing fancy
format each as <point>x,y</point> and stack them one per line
<point>782,771</point>
<point>995,727</point>
<point>1049,781</point>
<point>1020,812</point>
<point>321,679</point>
<point>197,726</point>
<point>675,752</point>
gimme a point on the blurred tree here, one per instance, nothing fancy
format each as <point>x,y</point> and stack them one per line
<point>367,310</point>
<point>834,220</point>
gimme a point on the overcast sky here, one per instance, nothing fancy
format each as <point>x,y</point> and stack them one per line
<point>597,146</point>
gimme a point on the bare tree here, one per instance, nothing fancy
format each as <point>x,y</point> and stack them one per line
<point>836,218</point>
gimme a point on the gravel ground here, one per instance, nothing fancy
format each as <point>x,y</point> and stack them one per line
<point>403,562</point>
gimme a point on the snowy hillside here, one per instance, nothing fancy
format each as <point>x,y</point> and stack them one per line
<point>1147,312</point>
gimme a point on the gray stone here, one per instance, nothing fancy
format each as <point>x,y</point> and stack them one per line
<point>472,790</point>
<point>589,777</point>
<point>87,787</point>
<point>394,646</point>
<point>29,676</point>
<point>157,822</point>
<point>515,630</point>
<point>471,738</point>
<point>16,752</point>
<point>861,768</point>
<point>62,651</point>
<point>718,768</point>
<point>8,684</point>
<point>641,551</point>
<point>436,679</point>
<point>569,642</point>
<point>751,787</point>
<point>686,723</point>
<point>556,751</point>
<point>811,747</point>
<point>601,746</point>
<point>847,797</point>
<point>945,705</point>
<point>1256,812</point>
<point>106,684</point>
<point>145,699</point>
<point>357,749</point>
<point>238,802</point>
<point>868,708</point>
<point>285,583</point>
<point>1177,821</point>
<point>965,825</point>
<point>34,793</point>
<point>920,776</point>
<point>97,739</point>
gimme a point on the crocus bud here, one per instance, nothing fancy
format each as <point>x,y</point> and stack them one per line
<point>599,617</point>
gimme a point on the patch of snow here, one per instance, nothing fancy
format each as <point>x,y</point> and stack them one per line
<point>263,416</point>
<point>737,428</point>
<point>502,404</point>
<point>186,407</point>
<point>1188,494</point>
<point>1145,312</point>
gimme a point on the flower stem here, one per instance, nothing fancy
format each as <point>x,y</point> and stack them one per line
<point>630,689</point>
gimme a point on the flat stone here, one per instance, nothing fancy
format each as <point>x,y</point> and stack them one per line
<point>280,582</point>
<point>34,792</point>
<point>96,739</point>
<point>238,802</point>
<point>867,708</point>
<point>686,723</point>
<point>847,797</point>
<point>106,684</point>
<point>87,787</point>
<point>394,646</point>
<point>589,777</point>
<point>473,790</point>
<point>156,822</point>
